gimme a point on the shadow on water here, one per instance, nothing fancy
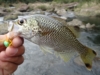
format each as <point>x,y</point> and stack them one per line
<point>95,39</point>
<point>93,35</point>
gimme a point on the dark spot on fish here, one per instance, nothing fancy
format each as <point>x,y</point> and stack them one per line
<point>88,65</point>
<point>94,52</point>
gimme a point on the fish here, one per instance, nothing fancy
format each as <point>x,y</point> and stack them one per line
<point>52,36</point>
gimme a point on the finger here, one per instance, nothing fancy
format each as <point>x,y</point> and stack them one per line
<point>1,71</point>
<point>17,42</point>
<point>8,67</point>
<point>12,35</point>
<point>17,60</point>
<point>11,51</point>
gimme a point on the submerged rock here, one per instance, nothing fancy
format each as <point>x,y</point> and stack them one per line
<point>60,11</point>
<point>10,17</point>
<point>80,24</point>
<point>3,28</point>
<point>89,26</point>
<point>63,17</point>
<point>2,13</point>
<point>75,22</point>
<point>7,10</point>
<point>23,8</point>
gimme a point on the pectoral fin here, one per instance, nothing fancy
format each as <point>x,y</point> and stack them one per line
<point>75,32</point>
<point>46,49</point>
<point>60,20</point>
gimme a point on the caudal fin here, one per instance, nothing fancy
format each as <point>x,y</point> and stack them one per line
<point>88,58</point>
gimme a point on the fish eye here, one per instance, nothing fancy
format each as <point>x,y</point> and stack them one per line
<point>20,22</point>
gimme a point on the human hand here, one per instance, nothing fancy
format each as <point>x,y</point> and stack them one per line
<point>11,56</point>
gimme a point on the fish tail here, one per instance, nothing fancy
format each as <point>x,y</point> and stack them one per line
<point>88,58</point>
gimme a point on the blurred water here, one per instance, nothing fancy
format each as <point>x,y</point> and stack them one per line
<point>1,19</point>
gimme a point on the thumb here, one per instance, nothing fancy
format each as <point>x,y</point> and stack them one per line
<point>12,35</point>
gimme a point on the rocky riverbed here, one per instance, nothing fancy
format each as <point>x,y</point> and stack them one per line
<point>69,12</point>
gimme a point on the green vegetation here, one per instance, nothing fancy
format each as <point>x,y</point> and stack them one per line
<point>25,1</point>
<point>59,1</point>
<point>43,7</point>
<point>67,1</point>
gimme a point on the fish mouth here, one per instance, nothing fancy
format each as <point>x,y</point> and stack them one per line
<point>10,26</point>
<point>13,27</point>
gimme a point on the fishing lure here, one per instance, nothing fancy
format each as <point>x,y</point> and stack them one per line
<point>7,42</point>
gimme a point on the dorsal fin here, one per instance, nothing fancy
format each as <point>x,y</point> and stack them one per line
<point>60,20</point>
<point>74,31</point>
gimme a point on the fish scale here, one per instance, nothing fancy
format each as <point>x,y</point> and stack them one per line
<point>50,34</point>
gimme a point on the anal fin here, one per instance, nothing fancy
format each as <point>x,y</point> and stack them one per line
<point>75,32</point>
<point>46,49</point>
<point>66,56</point>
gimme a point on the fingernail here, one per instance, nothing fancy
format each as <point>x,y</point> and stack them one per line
<point>14,51</point>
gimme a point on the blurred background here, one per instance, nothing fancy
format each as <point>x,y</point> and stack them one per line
<point>84,15</point>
